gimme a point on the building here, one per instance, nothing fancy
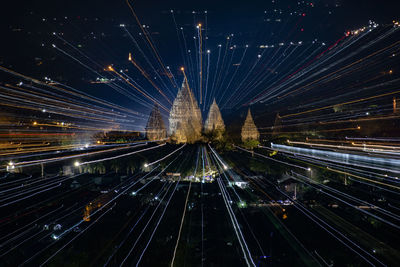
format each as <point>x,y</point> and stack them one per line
<point>185,120</point>
<point>249,129</point>
<point>155,128</point>
<point>214,123</point>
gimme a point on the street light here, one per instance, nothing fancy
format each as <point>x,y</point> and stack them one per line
<point>10,166</point>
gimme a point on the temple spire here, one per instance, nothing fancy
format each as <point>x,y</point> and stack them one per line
<point>214,123</point>
<point>185,120</point>
<point>155,128</point>
<point>249,129</point>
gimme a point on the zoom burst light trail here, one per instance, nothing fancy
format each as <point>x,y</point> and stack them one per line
<point>75,162</point>
<point>378,163</point>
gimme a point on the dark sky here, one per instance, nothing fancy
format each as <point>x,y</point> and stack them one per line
<point>27,39</point>
<point>224,17</point>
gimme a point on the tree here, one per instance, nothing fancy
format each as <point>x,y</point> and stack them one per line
<point>251,143</point>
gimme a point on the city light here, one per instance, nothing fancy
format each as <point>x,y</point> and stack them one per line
<point>281,147</point>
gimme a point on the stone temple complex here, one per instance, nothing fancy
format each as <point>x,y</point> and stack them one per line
<point>249,129</point>
<point>185,120</point>
<point>155,128</point>
<point>214,123</point>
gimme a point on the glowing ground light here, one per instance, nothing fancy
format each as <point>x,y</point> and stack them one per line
<point>242,204</point>
<point>10,166</point>
<point>76,164</point>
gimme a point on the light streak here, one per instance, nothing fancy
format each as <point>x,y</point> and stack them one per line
<point>143,72</point>
<point>149,41</point>
<point>201,63</point>
<point>147,59</point>
<point>233,76</point>
<point>341,104</point>
<point>181,225</point>
<point>208,72</point>
<point>215,75</point>
<point>356,146</point>
<point>329,229</point>
<point>332,190</point>
<point>385,164</point>
<point>282,162</point>
<point>170,154</point>
<point>148,222</point>
<point>236,226</point>
<point>120,156</point>
<point>183,215</point>
<point>110,68</point>
<point>36,162</point>
<point>78,235</point>
<point>319,131</point>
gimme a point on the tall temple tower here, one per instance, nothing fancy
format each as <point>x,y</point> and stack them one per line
<point>249,129</point>
<point>155,128</point>
<point>185,120</point>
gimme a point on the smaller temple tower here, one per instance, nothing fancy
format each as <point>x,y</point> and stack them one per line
<point>249,129</point>
<point>155,128</point>
<point>214,123</point>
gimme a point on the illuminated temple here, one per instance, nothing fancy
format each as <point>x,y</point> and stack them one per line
<point>185,120</point>
<point>155,128</point>
<point>214,123</point>
<point>249,129</point>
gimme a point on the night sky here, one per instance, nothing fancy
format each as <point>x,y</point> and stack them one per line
<point>93,28</point>
<point>111,153</point>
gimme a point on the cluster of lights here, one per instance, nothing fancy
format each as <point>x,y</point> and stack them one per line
<point>63,124</point>
<point>279,44</point>
<point>10,166</point>
<point>371,25</point>
<point>396,23</point>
